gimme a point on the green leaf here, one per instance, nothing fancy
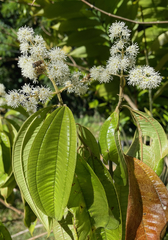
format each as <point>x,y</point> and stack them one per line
<point>162,62</point>
<point>94,104</point>
<point>51,162</point>
<point>75,24</point>
<point>163,88</point>
<point>29,218</point>
<point>107,139</point>
<point>88,51</point>
<point>119,232</point>
<point>64,229</point>
<point>81,221</point>
<point>4,234</point>
<point>105,178</point>
<point>7,190</point>
<point>89,141</point>
<point>157,149</point>
<point>19,109</point>
<point>21,151</point>
<point>107,234</point>
<point>81,37</point>
<point>149,3</point>
<point>108,90</point>
<point>161,40</point>
<point>94,194</point>
<point>110,145</point>
<point>6,153</point>
<point>13,123</point>
<point>65,10</point>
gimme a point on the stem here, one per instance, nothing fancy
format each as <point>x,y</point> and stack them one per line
<point>57,92</point>
<point>150,102</point>
<point>122,84</point>
<point>11,207</point>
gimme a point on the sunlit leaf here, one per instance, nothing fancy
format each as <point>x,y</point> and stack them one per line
<point>89,141</point>
<point>157,148</point>
<point>64,229</point>
<point>51,162</point>
<point>110,145</point>
<point>94,194</point>
<point>21,151</point>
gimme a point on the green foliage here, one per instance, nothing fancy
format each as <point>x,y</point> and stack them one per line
<point>61,172</point>
<point>149,130</point>
<point>4,234</point>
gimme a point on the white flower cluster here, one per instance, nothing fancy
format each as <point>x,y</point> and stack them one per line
<point>74,85</point>
<point>2,94</point>
<point>37,59</point>
<point>144,77</point>
<point>2,90</point>
<point>122,61</point>
<point>123,54</point>
<point>29,97</point>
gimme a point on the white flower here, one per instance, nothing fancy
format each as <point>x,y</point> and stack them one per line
<point>75,84</point>
<point>144,77</point>
<point>31,105</point>
<point>24,48</point>
<point>39,50</point>
<point>13,99</point>
<point>2,101</point>
<point>28,97</point>
<point>58,71</point>
<point>95,72</point>
<point>105,76</point>
<point>56,54</point>
<point>38,40</point>
<point>25,63</point>
<point>2,90</point>
<point>44,94</point>
<point>118,29</point>
<point>27,89</point>
<point>114,50</point>
<point>25,34</point>
<point>68,83</point>
<point>124,64</point>
<point>120,44</point>
<point>133,49</point>
<point>113,65</point>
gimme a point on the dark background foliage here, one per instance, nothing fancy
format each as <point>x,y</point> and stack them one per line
<point>82,32</point>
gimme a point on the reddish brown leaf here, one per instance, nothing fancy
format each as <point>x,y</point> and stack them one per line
<point>155,202</point>
<point>134,209</point>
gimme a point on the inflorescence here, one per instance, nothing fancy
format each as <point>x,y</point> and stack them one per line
<point>36,59</point>
<point>122,61</point>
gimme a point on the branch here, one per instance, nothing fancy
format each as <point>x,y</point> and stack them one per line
<point>40,235</point>
<point>26,230</point>
<point>122,18</point>
<point>130,102</point>
<point>75,65</point>
<point>12,208</point>
<point>8,59</point>
<point>44,30</point>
